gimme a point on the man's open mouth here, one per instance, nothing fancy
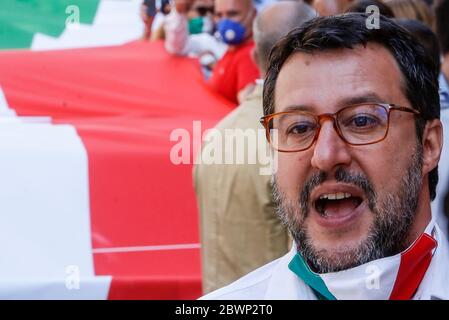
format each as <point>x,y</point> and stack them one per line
<point>336,204</point>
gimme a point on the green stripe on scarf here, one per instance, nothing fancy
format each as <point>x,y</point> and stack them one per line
<point>299,267</point>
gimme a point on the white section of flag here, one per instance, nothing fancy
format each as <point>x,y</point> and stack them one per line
<point>116,22</point>
<point>4,108</point>
<point>90,288</point>
<point>45,237</point>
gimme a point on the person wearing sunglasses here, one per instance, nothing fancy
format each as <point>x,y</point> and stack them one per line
<point>353,116</point>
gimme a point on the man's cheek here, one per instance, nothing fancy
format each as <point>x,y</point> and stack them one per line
<point>381,171</point>
<point>290,175</point>
<point>388,174</point>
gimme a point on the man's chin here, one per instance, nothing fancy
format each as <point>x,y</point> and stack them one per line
<point>334,257</point>
<point>334,260</point>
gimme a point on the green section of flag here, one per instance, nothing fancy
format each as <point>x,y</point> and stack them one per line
<point>21,19</point>
<point>313,280</point>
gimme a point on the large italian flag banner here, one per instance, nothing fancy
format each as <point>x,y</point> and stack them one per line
<point>91,205</point>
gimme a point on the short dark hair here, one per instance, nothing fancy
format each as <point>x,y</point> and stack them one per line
<point>442,19</point>
<point>425,36</point>
<point>349,31</point>
<point>361,5</point>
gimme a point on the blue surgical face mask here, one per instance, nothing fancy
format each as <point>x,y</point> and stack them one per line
<point>231,32</point>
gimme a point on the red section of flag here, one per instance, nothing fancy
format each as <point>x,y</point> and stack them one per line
<point>414,264</point>
<point>124,102</point>
<point>135,288</point>
<point>179,279</point>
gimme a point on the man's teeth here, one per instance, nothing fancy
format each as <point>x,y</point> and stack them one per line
<point>336,196</point>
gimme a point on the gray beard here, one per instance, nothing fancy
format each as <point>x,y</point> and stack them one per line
<point>393,216</point>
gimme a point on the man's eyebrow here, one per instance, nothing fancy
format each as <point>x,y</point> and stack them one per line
<point>369,97</point>
<point>299,108</point>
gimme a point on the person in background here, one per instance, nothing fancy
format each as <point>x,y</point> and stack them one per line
<point>442,25</point>
<point>147,14</point>
<point>201,16</point>
<point>260,4</point>
<point>361,5</point>
<point>157,29</point>
<point>233,69</point>
<point>152,13</point>
<point>235,201</point>
<point>412,9</point>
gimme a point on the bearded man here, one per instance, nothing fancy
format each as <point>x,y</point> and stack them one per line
<point>354,115</point>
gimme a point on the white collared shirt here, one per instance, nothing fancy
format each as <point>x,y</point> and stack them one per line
<point>275,281</point>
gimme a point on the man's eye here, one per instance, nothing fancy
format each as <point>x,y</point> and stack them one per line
<point>362,121</point>
<point>300,128</point>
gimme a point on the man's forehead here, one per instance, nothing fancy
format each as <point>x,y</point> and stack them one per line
<point>336,76</point>
<point>360,52</point>
<point>231,5</point>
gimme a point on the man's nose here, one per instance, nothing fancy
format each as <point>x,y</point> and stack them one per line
<point>329,150</point>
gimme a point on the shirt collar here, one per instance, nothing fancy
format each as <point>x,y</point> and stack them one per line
<point>396,278</point>
<point>435,283</point>
<point>285,284</point>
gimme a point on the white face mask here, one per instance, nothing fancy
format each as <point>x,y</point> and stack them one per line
<point>391,278</point>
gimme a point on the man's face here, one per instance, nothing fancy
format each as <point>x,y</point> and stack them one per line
<point>383,179</point>
<point>237,10</point>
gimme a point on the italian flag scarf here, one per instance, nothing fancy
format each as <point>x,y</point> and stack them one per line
<point>392,278</point>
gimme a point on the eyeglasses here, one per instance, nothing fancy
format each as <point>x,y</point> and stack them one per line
<point>358,125</point>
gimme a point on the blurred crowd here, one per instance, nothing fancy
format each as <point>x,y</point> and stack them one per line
<point>232,39</point>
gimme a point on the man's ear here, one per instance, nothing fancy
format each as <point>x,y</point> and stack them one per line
<point>432,145</point>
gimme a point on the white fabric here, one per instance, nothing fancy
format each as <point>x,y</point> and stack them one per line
<point>115,23</point>
<point>374,280</point>
<point>90,288</point>
<point>5,111</point>
<point>45,217</point>
<point>276,281</point>
<point>159,20</point>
